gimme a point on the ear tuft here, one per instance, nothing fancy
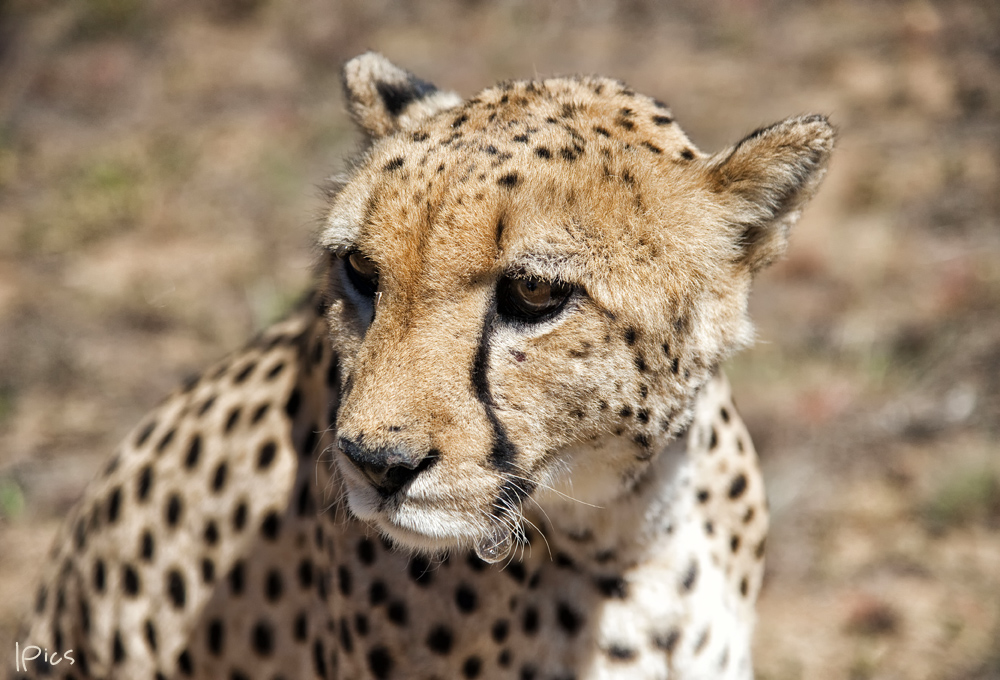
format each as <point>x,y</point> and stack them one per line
<point>768,177</point>
<point>384,98</point>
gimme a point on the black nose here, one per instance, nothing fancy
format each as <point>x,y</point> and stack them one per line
<point>389,469</point>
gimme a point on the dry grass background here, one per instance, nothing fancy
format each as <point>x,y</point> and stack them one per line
<point>157,170</point>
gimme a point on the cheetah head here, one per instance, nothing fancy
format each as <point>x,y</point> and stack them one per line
<point>527,289</point>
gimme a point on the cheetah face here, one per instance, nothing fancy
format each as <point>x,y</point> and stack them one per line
<point>528,289</point>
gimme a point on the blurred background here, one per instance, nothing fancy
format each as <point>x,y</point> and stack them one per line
<point>158,171</point>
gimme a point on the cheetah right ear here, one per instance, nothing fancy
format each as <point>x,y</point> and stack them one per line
<point>766,179</point>
<point>384,98</point>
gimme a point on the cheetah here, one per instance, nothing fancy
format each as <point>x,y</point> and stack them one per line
<point>494,442</point>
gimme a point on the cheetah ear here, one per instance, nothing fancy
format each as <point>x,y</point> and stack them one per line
<point>384,98</point>
<point>767,178</point>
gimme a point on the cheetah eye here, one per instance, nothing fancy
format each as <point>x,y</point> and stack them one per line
<point>362,273</point>
<point>531,300</point>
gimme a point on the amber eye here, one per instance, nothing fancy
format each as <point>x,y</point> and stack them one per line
<point>531,300</point>
<point>362,273</point>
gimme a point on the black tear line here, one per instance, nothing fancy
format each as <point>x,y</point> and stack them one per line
<point>503,453</point>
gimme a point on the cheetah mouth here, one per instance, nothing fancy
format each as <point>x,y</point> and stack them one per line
<point>426,523</point>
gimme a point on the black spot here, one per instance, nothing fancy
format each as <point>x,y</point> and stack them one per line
<point>194,451</point>
<point>366,551</point>
<point>207,570</point>
<point>662,120</point>
<point>738,486</point>
<point>219,479</point>
<point>130,580</point>
<point>440,640</point>
<point>144,434</point>
<point>625,123</point>
<point>273,585</point>
<point>216,637</point>
<point>174,509</point>
<point>175,588</point>
<point>309,443</point>
<point>630,336</point>
<point>344,581</point>
<point>529,623</point>
<point>394,164</point>
<point>262,638</point>
<point>300,629</point>
<point>293,403</point>
<point>465,598</point>
<point>690,576</point>
<point>500,630</point>
<point>713,439</point>
<point>145,482</point>
<point>744,586</point>
<point>734,543</point>
<point>361,624</point>
<point>687,154</point>
<point>150,634</point>
<point>119,648</point>
<point>612,586</point>
<point>203,409</point>
<point>703,495</point>
<point>266,455</point>
<point>542,152</point>
<point>377,593</point>
<point>620,653</point>
<point>523,139</point>
<point>675,366</point>
<point>640,364</point>
<point>114,504</point>
<point>642,415</point>
<point>245,373</point>
<point>475,563</point>
<point>275,370</point>
<point>725,414</point>
<point>380,662</point>
<point>516,571</point>
<point>271,525</point>
<point>165,441</point>
<point>397,613</point>
<point>601,131</point>
<point>472,667</point>
<point>420,571</point>
<point>147,546</point>
<point>211,533</point>
<point>305,572</point>
<point>184,664</point>
<point>237,578</point>
<point>458,122</point>
<point>667,641</point>
<point>237,674</point>
<point>569,154</point>
<point>759,550</point>
<point>569,619</point>
<point>240,516</point>
<point>652,147</point>
<point>319,660</point>
<point>528,672</point>
<point>509,181</point>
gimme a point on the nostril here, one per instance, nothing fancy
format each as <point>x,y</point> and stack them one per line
<point>388,468</point>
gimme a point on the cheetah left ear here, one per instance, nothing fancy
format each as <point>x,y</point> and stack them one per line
<point>385,98</point>
<point>767,178</point>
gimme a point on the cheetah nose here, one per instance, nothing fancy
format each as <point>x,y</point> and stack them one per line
<point>389,469</point>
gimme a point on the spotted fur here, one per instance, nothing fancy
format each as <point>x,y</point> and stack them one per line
<point>405,479</point>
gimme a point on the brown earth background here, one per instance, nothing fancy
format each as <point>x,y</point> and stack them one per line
<point>158,171</point>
